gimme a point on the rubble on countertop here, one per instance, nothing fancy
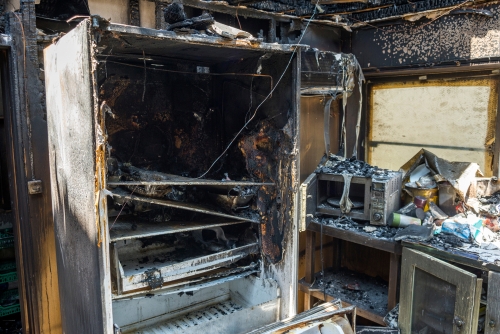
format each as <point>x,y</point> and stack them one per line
<point>465,230</point>
<point>346,223</point>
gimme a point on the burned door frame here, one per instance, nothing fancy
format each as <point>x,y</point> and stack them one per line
<point>27,154</point>
<point>468,289</point>
<point>78,171</point>
<point>425,75</point>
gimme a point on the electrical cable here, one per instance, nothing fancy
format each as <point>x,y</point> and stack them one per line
<point>267,97</point>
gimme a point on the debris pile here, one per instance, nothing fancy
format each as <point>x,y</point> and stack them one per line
<point>444,205</point>
<point>338,165</point>
<point>176,19</point>
<point>346,223</point>
<point>362,290</point>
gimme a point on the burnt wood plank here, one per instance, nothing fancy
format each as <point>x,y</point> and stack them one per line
<point>306,288</point>
<point>337,254</point>
<point>393,281</point>
<point>134,13</point>
<point>357,237</point>
<point>310,261</point>
<point>310,255</point>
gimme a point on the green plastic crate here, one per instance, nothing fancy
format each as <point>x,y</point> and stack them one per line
<point>8,272</point>
<point>6,238</point>
<point>10,309</point>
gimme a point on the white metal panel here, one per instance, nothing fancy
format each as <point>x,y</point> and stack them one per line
<point>227,306</point>
<point>83,284</point>
<point>225,317</point>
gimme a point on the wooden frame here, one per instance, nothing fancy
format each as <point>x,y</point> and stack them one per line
<point>394,79</point>
<point>312,295</point>
<point>468,290</point>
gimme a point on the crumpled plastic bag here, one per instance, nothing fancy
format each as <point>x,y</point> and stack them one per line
<point>457,229</point>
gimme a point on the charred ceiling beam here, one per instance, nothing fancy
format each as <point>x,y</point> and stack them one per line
<point>399,10</point>
<point>341,1</point>
<point>160,14</point>
<point>370,10</point>
<point>134,13</point>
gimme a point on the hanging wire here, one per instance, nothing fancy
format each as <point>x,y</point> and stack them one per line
<point>267,97</point>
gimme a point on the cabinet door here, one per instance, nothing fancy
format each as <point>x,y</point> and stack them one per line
<point>492,325</point>
<point>71,123</point>
<point>437,295</point>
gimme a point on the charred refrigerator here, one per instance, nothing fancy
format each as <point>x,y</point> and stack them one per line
<point>174,178</point>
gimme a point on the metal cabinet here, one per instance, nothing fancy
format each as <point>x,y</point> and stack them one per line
<point>154,140</point>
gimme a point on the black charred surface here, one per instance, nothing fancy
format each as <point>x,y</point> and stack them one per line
<point>262,152</point>
<point>355,12</point>
<point>184,129</point>
<point>62,9</point>
<point>34,223</point>
<point>175,133</point>
<point>175,13</point>
<point>448,41</point>
<point>3,19</point>
<point>134,13</point>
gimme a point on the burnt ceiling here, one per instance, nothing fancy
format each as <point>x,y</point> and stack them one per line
<point>355,11</point>
<point>350,13</point>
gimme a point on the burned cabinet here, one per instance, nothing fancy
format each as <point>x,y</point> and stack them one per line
<point>437,297</point>
<point>492,318</point>
<point>175,179</point>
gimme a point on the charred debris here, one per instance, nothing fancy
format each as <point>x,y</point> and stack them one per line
<point>288,17</point>
<point>444,199</point>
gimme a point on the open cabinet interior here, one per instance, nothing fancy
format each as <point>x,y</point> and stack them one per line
<point>193,155</point>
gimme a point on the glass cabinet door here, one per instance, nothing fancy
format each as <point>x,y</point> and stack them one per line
<point>437,297</point>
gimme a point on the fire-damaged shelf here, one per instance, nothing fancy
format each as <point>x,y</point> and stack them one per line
<point>367,294</point>
<point>361,238</point>
<point>126,230</point>
<point>385,294</point>
<point>206,278</point>
<point>139,266</point>
<point>177,205</point>
<point>187,181</point>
